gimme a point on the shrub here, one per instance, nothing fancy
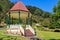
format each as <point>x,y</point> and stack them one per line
<point>57,31</point>
<point>52,28</point>
<point>52,39</point>
<point>1,38</point>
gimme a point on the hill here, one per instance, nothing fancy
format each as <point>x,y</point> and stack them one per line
<point>45,19</point>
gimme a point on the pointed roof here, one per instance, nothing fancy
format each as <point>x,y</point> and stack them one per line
<point>19,6</point>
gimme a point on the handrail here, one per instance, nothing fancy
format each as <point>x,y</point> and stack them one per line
<point>17,26</point>
<point>31,29</point>
<point>22,30</point>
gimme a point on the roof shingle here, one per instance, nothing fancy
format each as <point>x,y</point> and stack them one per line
<point>19,6</point>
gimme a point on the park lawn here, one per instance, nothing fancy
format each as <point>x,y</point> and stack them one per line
<point>48,35</point>
<point>40,34</point>
<point>10,37</point>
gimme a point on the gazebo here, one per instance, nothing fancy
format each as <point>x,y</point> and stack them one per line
<point>19,12</point>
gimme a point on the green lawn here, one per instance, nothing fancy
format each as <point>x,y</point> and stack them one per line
<point>10,37</point>
<point>48,35</point>
<point>40,34</point>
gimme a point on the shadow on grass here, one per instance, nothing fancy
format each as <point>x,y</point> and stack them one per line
<point>54,39</point>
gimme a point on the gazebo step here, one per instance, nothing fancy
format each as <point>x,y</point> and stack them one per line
<point>29,33</point>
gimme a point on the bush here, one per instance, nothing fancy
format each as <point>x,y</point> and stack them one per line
<point>1,26</point>
<point>1,38</point>
<point>57,31</point>
<point>52,28</point>
<point>52,39</point>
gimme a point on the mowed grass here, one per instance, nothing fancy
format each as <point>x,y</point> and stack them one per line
<point>48,35</point>
<point>40,34</point>
<point>4,36</point>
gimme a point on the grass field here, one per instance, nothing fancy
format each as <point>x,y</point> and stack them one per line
<point>40,34</point>
<point>48,35</point>
<point>10,37</point>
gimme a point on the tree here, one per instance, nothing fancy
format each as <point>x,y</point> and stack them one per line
<point>0,13</point>
<point>58,7</point>
<point>46,15</point>
<point>38,15</point>
<point>34,9</point>
<point>4,6</point>
<point>46,23</point>
<point>0,9</point>
<point>56,16</point>
<point>54,9</point>
<point>38,12</point>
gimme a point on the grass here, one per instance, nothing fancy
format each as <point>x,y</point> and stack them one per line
<point>40,34</point>
<point>48,35</point>
<point>10,37</point>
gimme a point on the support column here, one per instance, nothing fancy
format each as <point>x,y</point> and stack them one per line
<point>6,19</point>
<point>0,19</point>
<point>28,18</point>
<point>9,20</point>
<point>12,20</point>
<point>26,21</point>
<point>19,17</point>
<point>31,21</point>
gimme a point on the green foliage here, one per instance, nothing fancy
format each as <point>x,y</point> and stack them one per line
<point>38,15</point>
<point>45,19</point>
<point>48,35</point>
<point>5,5</point>
<point>46,23</point>
<point>54,9</point>
<point>56,16</point>
<point>0,9</point>
<point>54,20</point>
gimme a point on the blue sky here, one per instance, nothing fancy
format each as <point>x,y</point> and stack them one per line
<point>46,5</point>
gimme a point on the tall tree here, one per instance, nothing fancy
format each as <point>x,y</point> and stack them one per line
<point>4,6</point>
<point>56,15</point>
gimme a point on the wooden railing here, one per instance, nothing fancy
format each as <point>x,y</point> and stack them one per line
<point>17,26</point>
<point>31,29</point>
<point>22,30</point>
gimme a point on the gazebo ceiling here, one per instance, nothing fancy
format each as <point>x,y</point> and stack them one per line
<point>19,6</point>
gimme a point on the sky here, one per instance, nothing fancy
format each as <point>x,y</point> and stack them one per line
<point>46,5</point>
